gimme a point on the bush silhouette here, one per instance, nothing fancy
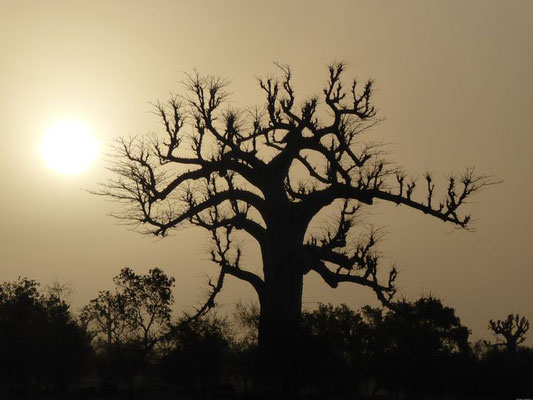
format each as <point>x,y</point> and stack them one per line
<point>42,346</point>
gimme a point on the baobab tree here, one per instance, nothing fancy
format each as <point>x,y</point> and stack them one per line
<point>513,329</point>
<point>269,172</point>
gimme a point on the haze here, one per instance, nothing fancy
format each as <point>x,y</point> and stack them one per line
<point>454,86</point>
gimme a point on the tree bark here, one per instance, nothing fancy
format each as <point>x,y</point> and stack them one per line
<point>281,306</point>
<point>281,303</point>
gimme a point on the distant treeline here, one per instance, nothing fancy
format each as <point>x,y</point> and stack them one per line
<point>126,344</point>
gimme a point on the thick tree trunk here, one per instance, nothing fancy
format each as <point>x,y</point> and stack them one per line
<point>281,308</point>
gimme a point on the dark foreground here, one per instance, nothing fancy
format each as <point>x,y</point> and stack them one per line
<point>421,351</point>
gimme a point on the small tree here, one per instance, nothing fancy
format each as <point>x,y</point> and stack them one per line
<point>139,308</point>
<point>129,322</point>
<point>419,345</point>
<point>269,172</point>
<point>513,330</point>
<point>426,327</point>
<point>148,300</point>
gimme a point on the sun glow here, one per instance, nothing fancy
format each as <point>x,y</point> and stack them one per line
<point>68,147</point>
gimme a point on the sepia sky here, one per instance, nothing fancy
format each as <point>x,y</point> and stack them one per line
<point>454,86</point>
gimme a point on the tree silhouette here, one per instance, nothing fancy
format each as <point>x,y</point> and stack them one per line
<point>425,341</point>
<point>513,330</point>
<point>269,172</point>
<point>138,307</point>
<point>41,345</point>
<point>105,316</point>
<point>199,353</point>
<point>130,321</point>
<point>338,344</point>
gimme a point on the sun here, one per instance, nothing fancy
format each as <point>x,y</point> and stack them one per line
<point>68,147</point>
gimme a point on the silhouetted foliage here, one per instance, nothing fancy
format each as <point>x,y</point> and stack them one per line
<point>426,345</point>
<point>129,322</point>
<point>198,355</point>
<point>503,373</point>
<point>336,348</point>
<point>42,348</point>
<point>269,172</point>
<point>244,343</point>
<point>419,346</point>
<point>418,349</point>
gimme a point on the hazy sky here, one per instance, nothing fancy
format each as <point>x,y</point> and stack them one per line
<point>455,87</point>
